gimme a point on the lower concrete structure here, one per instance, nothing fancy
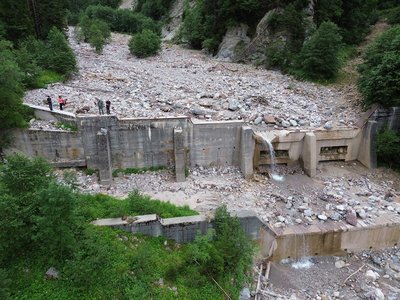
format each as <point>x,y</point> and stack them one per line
<point>329,238</point>
<point>181,229</point>
<point>326,238</point>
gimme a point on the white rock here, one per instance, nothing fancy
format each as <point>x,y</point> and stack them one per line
<point>339,264</point>
<point>372,275</point>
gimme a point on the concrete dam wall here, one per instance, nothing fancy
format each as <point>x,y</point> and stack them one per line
<point>107,142</point>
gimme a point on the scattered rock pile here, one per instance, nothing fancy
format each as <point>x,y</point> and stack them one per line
<point>187,82</point>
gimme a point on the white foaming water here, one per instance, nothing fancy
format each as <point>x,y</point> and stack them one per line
<point>277,177</point>
<point>266,141</point>
<point>303,263</point>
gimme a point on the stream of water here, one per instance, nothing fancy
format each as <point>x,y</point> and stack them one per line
<point>266,141</point>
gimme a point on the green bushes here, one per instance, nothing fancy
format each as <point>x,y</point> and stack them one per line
<point>319,55</point>
<point>59,55</point>
<point>379,74</point>
<point>145,43</point>
<point>155,9</point>
<point>122,20</point>
<point>388,148</point>
<point>96,32</point>
<point>34,210</point>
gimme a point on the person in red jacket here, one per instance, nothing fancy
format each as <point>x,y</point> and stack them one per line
<point>61,102</point>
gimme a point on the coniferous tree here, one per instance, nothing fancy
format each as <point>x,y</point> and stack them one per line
<point>60,57</point>
<point>319,55</point>
<point>11,92</point>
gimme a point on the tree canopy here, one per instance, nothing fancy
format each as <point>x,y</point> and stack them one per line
<point>379,74</point>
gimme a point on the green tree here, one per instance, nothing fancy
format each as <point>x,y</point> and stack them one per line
<point>17,20</point>
<point>319,55</point>
<point>98,34</point>
<point>379,80</point>
<point>60,57</point>
<point>327,10</point>
<point>11,92</point>
<point>192,29</point>
<point>27,63</point>
<point>36,214</point>
<point>155,9</point>
<point>388,148</point>
<point>226,249</point>
<point>145,44</point>
<point>355,19</point>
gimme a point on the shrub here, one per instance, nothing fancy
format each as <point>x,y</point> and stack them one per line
<point>388,148</point>
<point>379,80</point>
<point>144,44</point>
<point>122,20</point>
<point>319,55</point>
<point>155,9</point>
<point>277,54</point>
<point>59,55</point>
<point>192,29</point>
<point>34,210</point>
<point>99,35</point>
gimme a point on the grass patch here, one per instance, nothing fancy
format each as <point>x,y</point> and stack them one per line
<point>392,15</point>
<point>46,77</point>
<point>89,171</point>
<point>67,126</point>
<point>127,171</point>
<point>92,207</point>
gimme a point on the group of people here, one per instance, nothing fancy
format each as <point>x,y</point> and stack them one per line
<point>100,104</point>
<point>62,102</point>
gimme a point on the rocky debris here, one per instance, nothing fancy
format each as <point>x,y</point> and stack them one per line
<point>354,276</point>
<point>52,273</point>
<point>44,125</point>
<point>350,196</point>
<point>176,82</point>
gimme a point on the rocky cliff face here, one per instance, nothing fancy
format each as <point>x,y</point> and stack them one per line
<point>237,45</point>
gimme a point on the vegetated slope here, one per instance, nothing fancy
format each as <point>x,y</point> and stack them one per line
<point>349,75</point>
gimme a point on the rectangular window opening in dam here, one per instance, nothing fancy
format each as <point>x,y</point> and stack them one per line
<point>334,150</point>
<point>278,154</point>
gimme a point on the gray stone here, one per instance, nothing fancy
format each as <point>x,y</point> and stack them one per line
<point>371,275</point>
<point>292,122</point>
<point>197,111</point>
<point>351,218</point>
<point>52,273</point>
<point>328,125</point>
<point>322,217</point>
<point>285,124</point>
<point>339,264</point>
<point>245,294</point>
<point>308,213</point>
<point>258,120</point>
<point>335,216</point>
<point>361,213</point>
<point>233,104</point>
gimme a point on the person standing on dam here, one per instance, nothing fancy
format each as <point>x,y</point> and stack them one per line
<point>50,103</point>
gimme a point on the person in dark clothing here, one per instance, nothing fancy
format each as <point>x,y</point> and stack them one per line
<point>108,106</point>
<point>100,105</point>
<point>50,103</point>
